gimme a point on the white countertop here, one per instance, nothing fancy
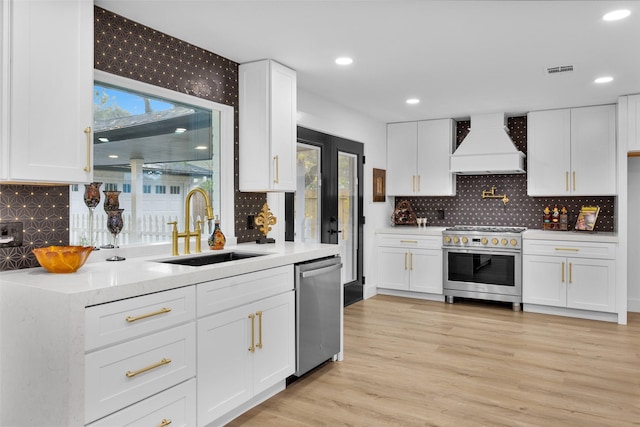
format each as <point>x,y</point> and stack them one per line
<point>573,236</point>
<point>100,281</point>
<point>409,229</point>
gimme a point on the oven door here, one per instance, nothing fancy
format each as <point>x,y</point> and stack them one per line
<point>482,272</point>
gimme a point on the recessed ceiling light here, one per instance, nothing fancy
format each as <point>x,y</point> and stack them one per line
<point>413,101</point>
<point>344,60</point>
<point>103,139</point>
<point>605,79</point>
<point>113,156</point>
<point>180,130</point>
<point>201,147</point>
<point>616,14</point>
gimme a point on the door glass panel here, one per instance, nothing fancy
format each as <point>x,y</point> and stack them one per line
<point>347,214</point>
<point>307,196</point>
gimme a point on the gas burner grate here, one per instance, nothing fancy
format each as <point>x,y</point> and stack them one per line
<point>487,229</point>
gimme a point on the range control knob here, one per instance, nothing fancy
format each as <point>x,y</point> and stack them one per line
<point>447,239</point>
<point>514,242</point>
<point>465,240</point>
<point>504,242</point>
<point>494,241</point>
<point>456,239</point>
<point>484,240</point>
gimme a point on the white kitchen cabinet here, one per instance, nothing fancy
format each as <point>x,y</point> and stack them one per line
<point>267,109</point>
<point>136,348</point>
<point>242,352</point>
<point>633,123</point>
<point>410,263</point>
<point>572,152</point>
<point>575,275</point>
<point>48,77</point>
<point>246,339</point>
<point>418,158</point>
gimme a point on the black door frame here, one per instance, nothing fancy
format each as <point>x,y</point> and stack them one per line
<point>330,145</point>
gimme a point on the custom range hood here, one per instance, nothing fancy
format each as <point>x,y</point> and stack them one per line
<point>487,149</point>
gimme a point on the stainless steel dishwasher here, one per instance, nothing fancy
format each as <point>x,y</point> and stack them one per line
<point>318,312</point>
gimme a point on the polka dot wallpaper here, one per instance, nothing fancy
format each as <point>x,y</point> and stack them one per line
<point>468,207</point>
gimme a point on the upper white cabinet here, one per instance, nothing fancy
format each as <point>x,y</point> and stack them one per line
<point>572,152</point>
<point>418,158</point>
<point>267,127</point>
<point>47,80</point>
<point>633,122</point>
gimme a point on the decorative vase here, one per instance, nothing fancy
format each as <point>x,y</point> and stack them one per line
<point>217,240</point>
<point>91,199</point>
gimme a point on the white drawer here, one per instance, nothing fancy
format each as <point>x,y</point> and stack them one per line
<point>569,249</point>
<point>127,373</point>
<point>410,241</point>
<point>122,320</point>
<point>219,295</point>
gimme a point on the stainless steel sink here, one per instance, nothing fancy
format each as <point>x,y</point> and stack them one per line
<point>200,260</point>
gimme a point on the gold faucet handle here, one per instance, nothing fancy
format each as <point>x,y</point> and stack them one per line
<point>175,224</point>
<point>199,223</point>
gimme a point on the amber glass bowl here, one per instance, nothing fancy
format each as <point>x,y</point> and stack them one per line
<point>62,259</point>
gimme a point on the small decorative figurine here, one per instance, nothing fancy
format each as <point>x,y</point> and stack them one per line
<point>555,216</point>
<point>265,219</point>
<point>217,240</point>
<point>547,215</point>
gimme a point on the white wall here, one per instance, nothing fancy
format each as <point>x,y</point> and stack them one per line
<point>317,113</point>
<point>633,244</point>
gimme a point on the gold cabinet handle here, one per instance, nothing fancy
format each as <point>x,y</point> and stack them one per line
<point>566,180</point>
<point>563,272</point>
<point>411,261</point>
<point>277,162</point>
<point>574,180</point>
<point>253,333</point>
<point>570,272</point>
<point>259,314</point>
<point>87,132</point>
<point>405,260</point>
<point>131,374</point>
<point>413,185</point>
<point>164,423</point>
<point>418,183</point>
<point>568,249</point>
<point>144,316</point>
<point>408,241</point>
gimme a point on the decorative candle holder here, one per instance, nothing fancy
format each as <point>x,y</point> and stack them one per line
<point>91,199</point>
<point>111,203</point>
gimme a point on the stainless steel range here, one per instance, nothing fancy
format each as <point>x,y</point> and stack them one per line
<point>483,262</point>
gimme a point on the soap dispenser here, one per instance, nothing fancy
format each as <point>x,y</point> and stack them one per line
<point>217,240</point>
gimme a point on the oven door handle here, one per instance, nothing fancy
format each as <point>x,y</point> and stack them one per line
<point>483,252</point>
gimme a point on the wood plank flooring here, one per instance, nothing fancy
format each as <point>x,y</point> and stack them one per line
<point>422,363</point>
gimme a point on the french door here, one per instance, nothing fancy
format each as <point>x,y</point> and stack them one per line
<point>327,204</point>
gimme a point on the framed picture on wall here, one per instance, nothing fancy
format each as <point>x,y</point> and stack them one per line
<point>379,185</point>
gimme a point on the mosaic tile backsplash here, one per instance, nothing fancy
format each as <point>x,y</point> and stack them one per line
<point>133,50</point>
<point>44,214</point>
<point>467,207</point>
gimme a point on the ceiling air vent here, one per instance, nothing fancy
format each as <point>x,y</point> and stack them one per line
<point>560,69</point>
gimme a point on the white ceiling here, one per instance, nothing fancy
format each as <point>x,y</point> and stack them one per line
<point>458,57</point>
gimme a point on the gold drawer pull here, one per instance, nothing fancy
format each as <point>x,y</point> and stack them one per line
<point>253,333</point>
<point>408,241</point>
<point>164,423</point>
<point>144,316</point>
<point>87,132</point>
<point>259,314</point>
<point>164,361</point>
<point>568,249</point>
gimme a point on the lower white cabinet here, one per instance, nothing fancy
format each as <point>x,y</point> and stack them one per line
<point>173,407</point>
<point>410,263</point>
<point>242,352</point>
<point>569,275</point>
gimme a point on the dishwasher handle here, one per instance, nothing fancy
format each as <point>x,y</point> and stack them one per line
<point>322,270</point>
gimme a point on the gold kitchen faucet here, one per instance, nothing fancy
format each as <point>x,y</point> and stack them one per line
<point>187,233</point>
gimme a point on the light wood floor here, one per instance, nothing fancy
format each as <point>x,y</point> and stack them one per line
<point>422,363</point>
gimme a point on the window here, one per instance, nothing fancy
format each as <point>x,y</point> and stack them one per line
<point>146,189</point>
<point>175,189</point>
<point>110,186</point>
<point>126,188</point>
<point>161,189</point>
